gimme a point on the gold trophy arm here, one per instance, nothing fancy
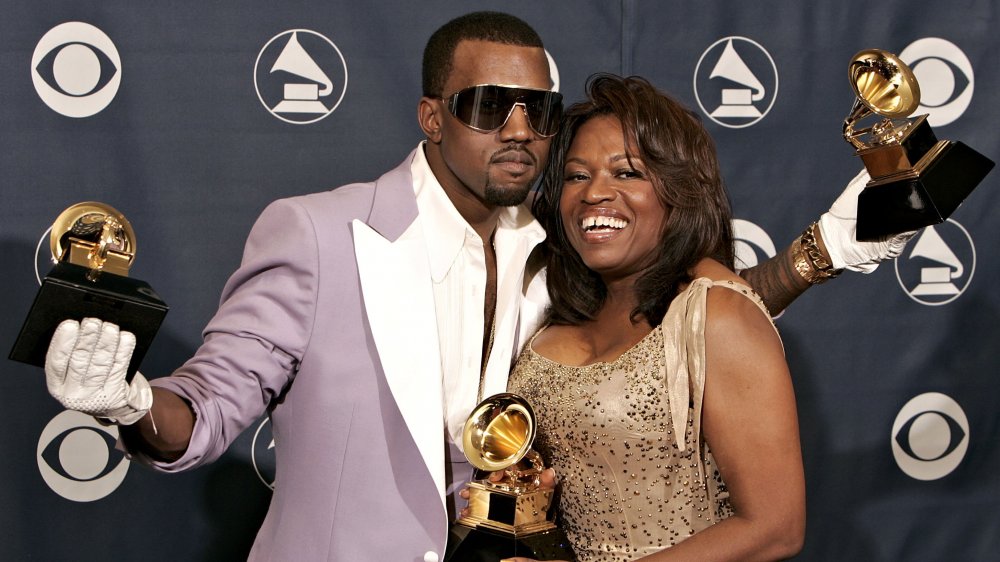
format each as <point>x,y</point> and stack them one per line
<point>858,112</point>
<point>110,238</point>
<point>526,473</point>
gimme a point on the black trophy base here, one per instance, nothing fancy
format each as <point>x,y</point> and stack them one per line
<point>466,544</point>
<point>67,294</point>
<point>925,197</point>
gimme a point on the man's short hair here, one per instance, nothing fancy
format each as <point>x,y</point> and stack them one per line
<point>496,27</point>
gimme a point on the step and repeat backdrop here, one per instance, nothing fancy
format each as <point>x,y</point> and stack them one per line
<point>189,117</point>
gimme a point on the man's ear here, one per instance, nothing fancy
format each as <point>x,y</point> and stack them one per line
<point>429,114</point>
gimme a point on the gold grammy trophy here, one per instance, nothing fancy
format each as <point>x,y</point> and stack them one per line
<point>508,517</point>
<point>93,246</point>
<point>916,180</point>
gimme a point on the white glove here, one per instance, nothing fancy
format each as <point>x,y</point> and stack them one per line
<point>85,371</point>
<point>838,225</point>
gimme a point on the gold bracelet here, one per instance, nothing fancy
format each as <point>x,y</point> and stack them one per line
<point>809,260</point>
<point>802,265</point>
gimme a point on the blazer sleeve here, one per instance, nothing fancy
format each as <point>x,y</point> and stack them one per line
<point>255,341</point>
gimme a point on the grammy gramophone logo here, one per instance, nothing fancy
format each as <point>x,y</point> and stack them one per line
<point>300,76</point>
<point>736,82</point>
<point>938,265</point>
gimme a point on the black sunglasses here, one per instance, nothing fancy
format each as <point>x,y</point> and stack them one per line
<point>487,107</point>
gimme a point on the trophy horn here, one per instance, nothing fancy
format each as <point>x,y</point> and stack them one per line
<point>499,432</point>
<point>93,235</point>
<point>883,85</point>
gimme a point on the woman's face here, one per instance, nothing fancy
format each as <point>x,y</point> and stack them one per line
<point>609,207</point>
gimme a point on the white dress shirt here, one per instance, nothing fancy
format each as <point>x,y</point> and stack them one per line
<point>458,271</point>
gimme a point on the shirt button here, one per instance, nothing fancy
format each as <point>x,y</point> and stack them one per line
<point>430,556</point>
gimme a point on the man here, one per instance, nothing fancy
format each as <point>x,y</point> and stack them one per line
<point>369,320</point>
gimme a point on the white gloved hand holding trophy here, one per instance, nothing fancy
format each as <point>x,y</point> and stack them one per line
<point>85,370</point>
<point>838,227</point>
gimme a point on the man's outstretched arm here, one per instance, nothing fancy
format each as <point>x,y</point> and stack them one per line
<point>824,249</point>
<point>165,431</point>
<point>85,369</point>
<point>776,280</point>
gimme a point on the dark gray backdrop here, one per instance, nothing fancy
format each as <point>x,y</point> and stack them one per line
<point>190,154</point>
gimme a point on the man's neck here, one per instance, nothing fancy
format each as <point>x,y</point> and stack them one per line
<point>481,216</point>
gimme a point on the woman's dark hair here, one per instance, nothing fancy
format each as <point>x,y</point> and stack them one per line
<point>680,158</point>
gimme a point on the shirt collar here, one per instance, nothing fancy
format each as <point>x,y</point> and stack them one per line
<point>444,227</point>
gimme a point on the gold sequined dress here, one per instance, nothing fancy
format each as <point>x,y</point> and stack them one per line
<point>631,484</point>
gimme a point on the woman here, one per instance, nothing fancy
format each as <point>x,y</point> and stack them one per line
<point>662,394</point>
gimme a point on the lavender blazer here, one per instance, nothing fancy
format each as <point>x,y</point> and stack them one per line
<point>330,322</point>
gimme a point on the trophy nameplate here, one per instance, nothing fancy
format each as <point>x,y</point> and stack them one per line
<point>916,179</point>
<point>93,246</point>
<point>509,517</point>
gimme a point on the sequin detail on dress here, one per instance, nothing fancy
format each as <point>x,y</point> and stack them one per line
<point>627,489</point>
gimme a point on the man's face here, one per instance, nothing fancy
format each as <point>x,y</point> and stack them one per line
<point>496,168</point>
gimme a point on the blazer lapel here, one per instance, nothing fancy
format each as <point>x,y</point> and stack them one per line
<point>399,301</point>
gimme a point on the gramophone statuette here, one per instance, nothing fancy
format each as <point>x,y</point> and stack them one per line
<point>93,247</point>
<point>916,179</point>
<point>509,517</point>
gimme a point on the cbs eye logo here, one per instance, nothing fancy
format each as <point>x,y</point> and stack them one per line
<point>76,69</point>
<point>752,243</point>
<point>946,78</point>
<point>930,436</point>
<point>77,457</point>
